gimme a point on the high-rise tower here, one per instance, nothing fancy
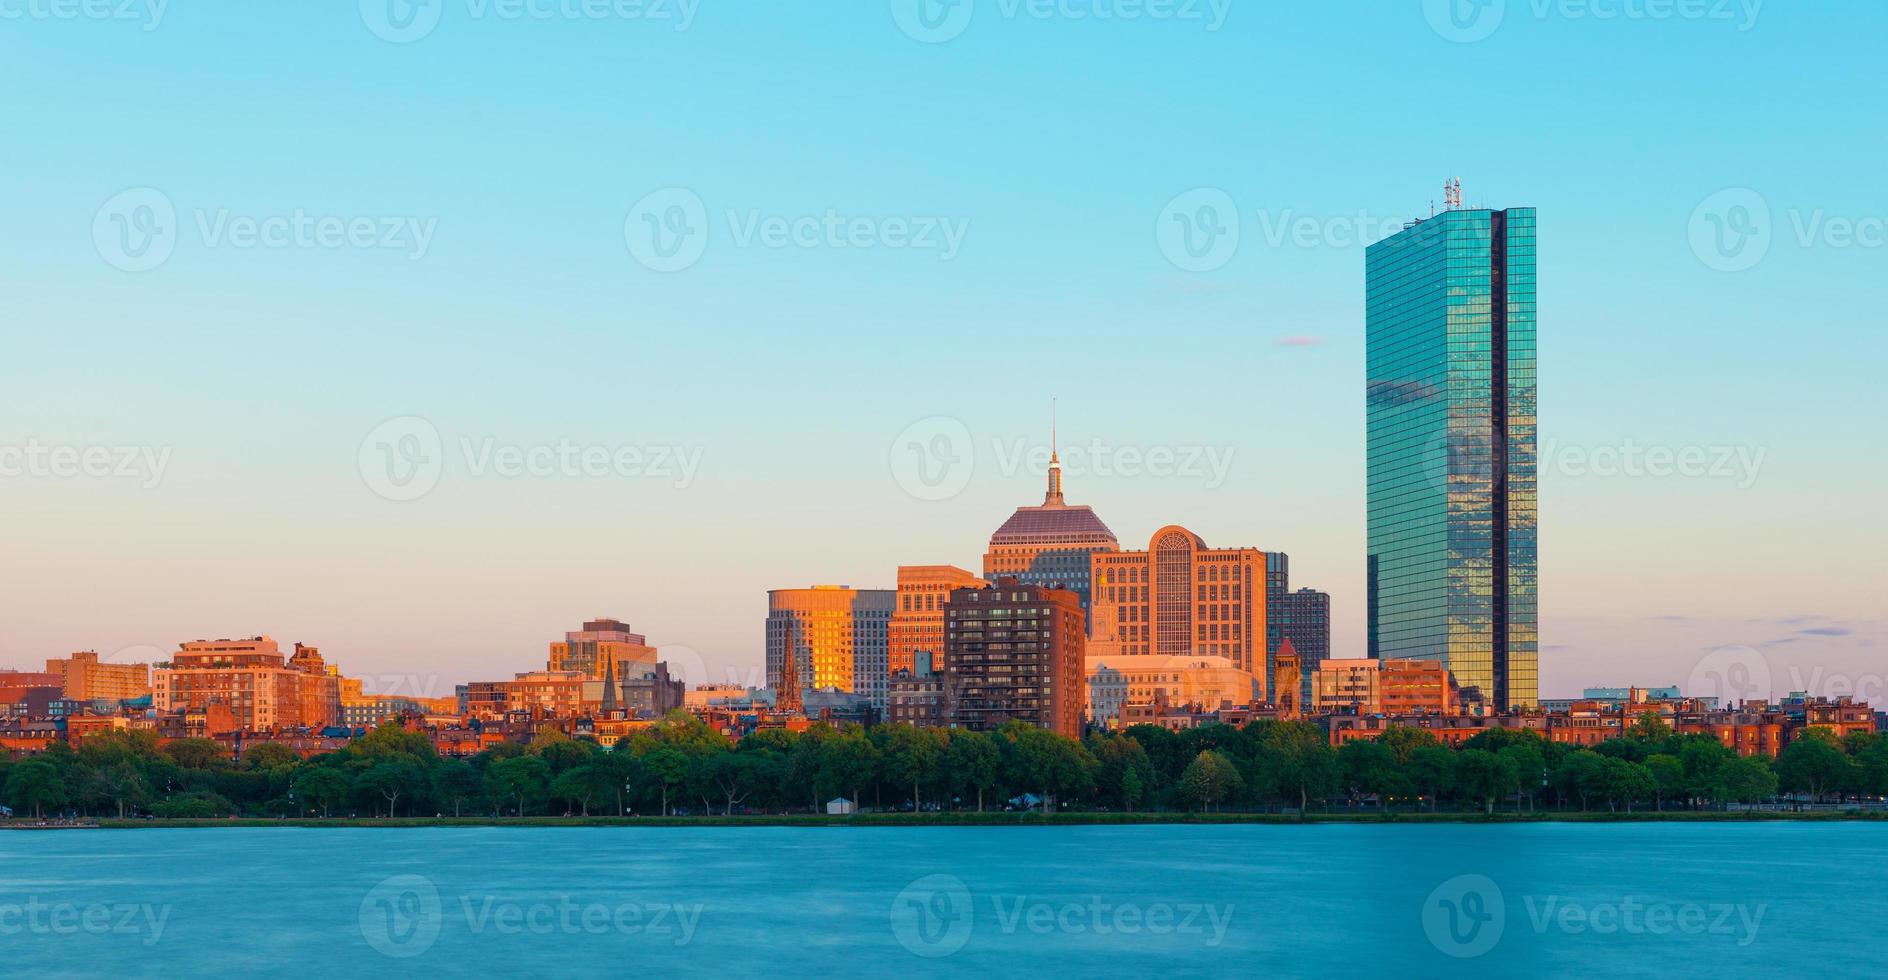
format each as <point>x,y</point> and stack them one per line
<point>1452,459</point>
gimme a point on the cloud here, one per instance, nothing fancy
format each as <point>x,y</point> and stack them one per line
<point>1672,619</point>
<point>1300,340</point>
<point>1826,631</point>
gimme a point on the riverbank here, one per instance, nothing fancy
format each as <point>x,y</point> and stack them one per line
<point>972,819</point>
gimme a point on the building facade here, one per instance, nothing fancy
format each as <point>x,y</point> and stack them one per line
<point>917,623</point>
<point>1307,624</point>
<point>836,637</point>
<point>1050,545</point>
<point>82,677</point>
<point>251,678</point>
<point>1398,687</point>
<point>599,646</point>
<point>1203,683</point>
<point>1014,651</point>
<point>1452,457</point>
<point>1181,598</point>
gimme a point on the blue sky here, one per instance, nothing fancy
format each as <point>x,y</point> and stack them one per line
<point>526,149</point>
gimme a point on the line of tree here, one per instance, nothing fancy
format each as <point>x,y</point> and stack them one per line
<point>680,767</point>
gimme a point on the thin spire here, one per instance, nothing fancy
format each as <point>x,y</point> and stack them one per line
<point>1054,497</point>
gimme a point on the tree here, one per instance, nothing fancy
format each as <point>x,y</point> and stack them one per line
<point>1747,780</point>
<point>36,783</point>
<point>1044,760</point>
<point>455,780</point>
<point>1485,776</point>
<point>1123,772</point>
<point>576,786</point>
<point>1432,769</point>
<point>912,759</point>
<point>1649,727</point>
<point>123,784</point>
<point>1668,777</point>
<point>669,769</point>
<point>198,753</point>
<point>390,779</point>
<point>1580,775</point>
<point>1814,764</point>
<point>522,778</point>
<point>1298,760</point>
<point>1367,767</point>
<point>322,786</point>
<point>269,755</point>
<point>846,763</point>
<point>1209,779</point>
<point>732,774</point>
<point>1530,768</point>
<point>618,770</point>
<point>970,761</point>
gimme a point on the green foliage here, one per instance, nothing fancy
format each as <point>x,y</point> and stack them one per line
<point>1209,780</point>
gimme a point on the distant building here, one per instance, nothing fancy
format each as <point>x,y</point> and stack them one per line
<point>1181,598</point>
<point>1050,545</point>
<point>600,644</point>
<point>917,695</point>
<point>647,690</point>
<point>703,695</point>
<point>1393,687</point>
<point>917,622</point>
<point>837,637</point>
<point>261,689</point>
<point>1307,615</point>
<point>1014,651</point>
<point>1206,683</point>
<point>1451,449</point>
<point>84,678</point>
<point>1277,587</point>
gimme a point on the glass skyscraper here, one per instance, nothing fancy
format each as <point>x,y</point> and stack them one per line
<point>1449,324</point>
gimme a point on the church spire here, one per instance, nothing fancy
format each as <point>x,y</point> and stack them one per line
<point>608,708</point>
<point>1054,497</point>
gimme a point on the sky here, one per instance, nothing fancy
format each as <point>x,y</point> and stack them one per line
<point>423,332</point>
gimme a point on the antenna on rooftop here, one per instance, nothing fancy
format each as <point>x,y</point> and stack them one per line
<point>1452,194</point>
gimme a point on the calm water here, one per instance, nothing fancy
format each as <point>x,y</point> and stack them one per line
<point>1558,900</point>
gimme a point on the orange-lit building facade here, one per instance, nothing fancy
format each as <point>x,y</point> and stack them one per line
<point>837,637</point>
<point>1014,651</point>
<point>82,677</point>
<point>602,645</point>
<point>1181,598</point>
<point>1391,687</point>
<point>1119,683</point>
<point>918,621</point>
<point>261,689</point>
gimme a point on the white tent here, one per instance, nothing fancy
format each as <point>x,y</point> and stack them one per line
<point>839,805</point>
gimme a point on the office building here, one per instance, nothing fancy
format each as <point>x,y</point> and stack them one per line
<point>1180,598</point>
<point>600,644</point>
<point>917,624</point>
<point>837,637</point>
<point>1307,624</point>
<point>1050,545</point>
<point>1205,683</point>
<point>1452,457</point>
<point>1014,651</point>
<point>250,677</point>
